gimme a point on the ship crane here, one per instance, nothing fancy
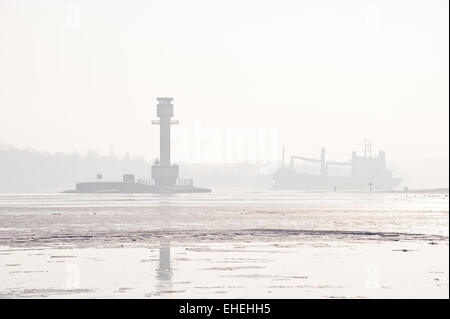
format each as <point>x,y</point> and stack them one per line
<point>307,159</point>
<point>323,163</point>
<point>323,169</point>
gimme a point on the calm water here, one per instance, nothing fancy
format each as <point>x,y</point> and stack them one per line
<point>235,244</point>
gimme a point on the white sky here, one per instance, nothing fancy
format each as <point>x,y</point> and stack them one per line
<point>79,75</point>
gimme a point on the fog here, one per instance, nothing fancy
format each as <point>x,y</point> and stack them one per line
<point>247,78</point>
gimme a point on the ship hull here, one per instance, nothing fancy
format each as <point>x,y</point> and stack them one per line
<point>290,179</point>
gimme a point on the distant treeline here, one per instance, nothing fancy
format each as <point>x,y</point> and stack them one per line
<point>25,170</point>
<point>29,170</point>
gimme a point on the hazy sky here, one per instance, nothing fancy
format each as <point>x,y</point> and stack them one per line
<point>79,75</point>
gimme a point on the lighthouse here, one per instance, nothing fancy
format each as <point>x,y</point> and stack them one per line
<point>164,174</point>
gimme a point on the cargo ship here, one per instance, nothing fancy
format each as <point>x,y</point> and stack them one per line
<point>366,172</point>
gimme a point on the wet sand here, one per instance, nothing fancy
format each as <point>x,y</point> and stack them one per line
<point>268,245</point>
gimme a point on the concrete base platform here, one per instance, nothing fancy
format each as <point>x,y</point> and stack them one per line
<point>121,187</point>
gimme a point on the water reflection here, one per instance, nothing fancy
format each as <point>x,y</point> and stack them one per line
<point>164,271</point>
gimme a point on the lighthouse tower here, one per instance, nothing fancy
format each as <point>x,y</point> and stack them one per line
<point>164,174</point>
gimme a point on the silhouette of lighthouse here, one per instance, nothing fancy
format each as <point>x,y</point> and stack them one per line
<point>164,174</point>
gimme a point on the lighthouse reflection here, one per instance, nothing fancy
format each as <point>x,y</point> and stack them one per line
<point>164,271</point>
<point>164,268</point>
